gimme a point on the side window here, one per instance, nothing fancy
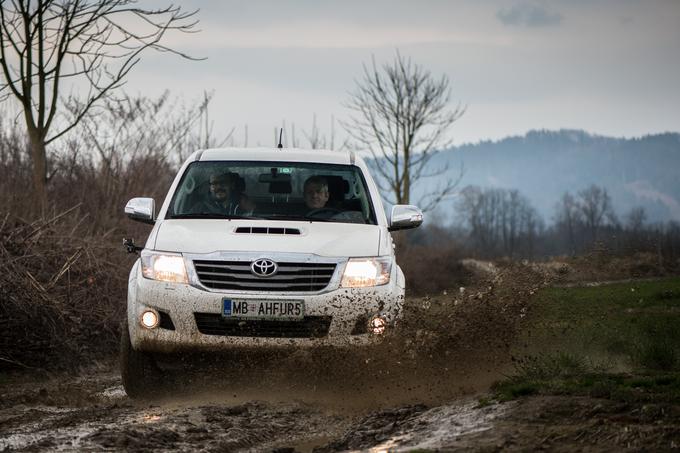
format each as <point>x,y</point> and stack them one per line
<point>358,190</point>
<point>185,192</point>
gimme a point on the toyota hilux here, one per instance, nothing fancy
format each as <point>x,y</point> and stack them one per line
<point>262,248</point>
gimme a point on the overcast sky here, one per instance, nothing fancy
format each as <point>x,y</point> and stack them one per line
<point>611,67</point>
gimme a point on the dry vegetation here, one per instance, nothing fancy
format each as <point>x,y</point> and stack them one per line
<point>61,293</point>
<point>63,272</point>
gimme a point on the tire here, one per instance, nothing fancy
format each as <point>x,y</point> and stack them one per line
<point>139,371</point>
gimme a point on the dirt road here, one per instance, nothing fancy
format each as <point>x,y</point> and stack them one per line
<point>415,390</point>
<point>93,413</point>
<point>427,389</point>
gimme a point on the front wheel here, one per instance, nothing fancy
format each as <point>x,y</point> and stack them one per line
<point>139,371</point>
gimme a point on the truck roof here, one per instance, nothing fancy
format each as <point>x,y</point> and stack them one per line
<point>276,154</point>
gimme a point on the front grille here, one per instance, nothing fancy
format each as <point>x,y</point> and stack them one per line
<point>304,277</point>
<point>309,327</point>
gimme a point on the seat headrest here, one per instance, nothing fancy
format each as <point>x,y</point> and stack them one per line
<point>238,182</point>
<point>337,187</point>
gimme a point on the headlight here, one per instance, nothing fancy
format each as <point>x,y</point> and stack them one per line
<point>362,272</point>
<point>164,267</point>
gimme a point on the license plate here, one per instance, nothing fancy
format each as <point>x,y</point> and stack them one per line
<point>263,309</point>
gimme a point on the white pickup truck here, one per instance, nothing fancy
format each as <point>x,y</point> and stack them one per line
<point>262,248</point>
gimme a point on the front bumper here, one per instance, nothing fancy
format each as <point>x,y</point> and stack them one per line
<point>346,307</point>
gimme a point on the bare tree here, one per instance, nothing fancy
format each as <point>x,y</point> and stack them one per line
<point>92,44</point>
<point>132,146</point>
<point>499,220</point>
<point>568,219</point>
<point>128,127</point>
<point>477,209</point>
<point>402,115</point>
<point>532,227</point>
<point>595,206</point>
<point>636,219</point>
<point>510,219</point>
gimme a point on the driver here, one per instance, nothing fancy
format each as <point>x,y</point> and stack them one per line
<point>223,198</point>
<point>315,192</point>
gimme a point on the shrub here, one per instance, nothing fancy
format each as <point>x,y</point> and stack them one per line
<point>658,346</point>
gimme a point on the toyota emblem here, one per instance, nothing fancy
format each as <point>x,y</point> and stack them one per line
<point>263,267</point>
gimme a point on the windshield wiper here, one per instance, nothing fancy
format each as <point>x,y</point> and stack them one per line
<point>284,217</point>
<point>297,218</point>
<point>210,215</point>
<point>321,219</point>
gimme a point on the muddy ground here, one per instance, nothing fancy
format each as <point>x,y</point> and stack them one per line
<point>93,413</point>
<point>426,388</point>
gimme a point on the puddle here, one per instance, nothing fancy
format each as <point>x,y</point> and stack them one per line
<point>416,427</point>
<point>32,433</point>
<point>113,393</point>
<point>442,426</point>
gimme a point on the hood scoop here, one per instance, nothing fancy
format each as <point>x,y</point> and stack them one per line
<point>267,230</point>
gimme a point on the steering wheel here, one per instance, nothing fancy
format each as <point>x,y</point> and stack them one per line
<point>325,212</point>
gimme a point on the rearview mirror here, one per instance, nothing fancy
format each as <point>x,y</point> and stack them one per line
<point>274,177</point>
<point>405,216</point>
<point>141,210</point>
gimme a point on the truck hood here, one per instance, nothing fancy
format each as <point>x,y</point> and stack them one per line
<point>319,238</point>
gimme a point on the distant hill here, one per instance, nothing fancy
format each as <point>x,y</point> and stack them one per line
<point>544,164</point>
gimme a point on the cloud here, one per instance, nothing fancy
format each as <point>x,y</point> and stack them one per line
<point>528,15</point>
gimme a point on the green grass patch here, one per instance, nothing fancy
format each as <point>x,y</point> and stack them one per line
<point>618,341</point>
<point>663,388</point>
<point>634,324</point>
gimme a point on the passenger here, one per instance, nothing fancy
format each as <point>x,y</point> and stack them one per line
<point>315,192</point>
<point>223,199</point>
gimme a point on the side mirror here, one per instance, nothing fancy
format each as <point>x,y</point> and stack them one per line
<point>142,210</point>
<point>405,216</point>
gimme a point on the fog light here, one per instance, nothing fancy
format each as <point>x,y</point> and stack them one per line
<point>150,319</point>
<point>377,325</point>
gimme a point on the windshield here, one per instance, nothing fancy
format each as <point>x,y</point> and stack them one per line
<point>273,190</point>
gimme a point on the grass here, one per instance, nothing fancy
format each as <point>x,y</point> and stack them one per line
<point>618,341</point>
<point>658,388</point>
<point>630,324</point>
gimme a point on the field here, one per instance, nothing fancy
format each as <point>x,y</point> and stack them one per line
<point>599,366</point>
<point>620,340</point>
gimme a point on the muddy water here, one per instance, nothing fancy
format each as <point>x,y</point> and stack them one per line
<point>109,421</point>
<point>259,411</point>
